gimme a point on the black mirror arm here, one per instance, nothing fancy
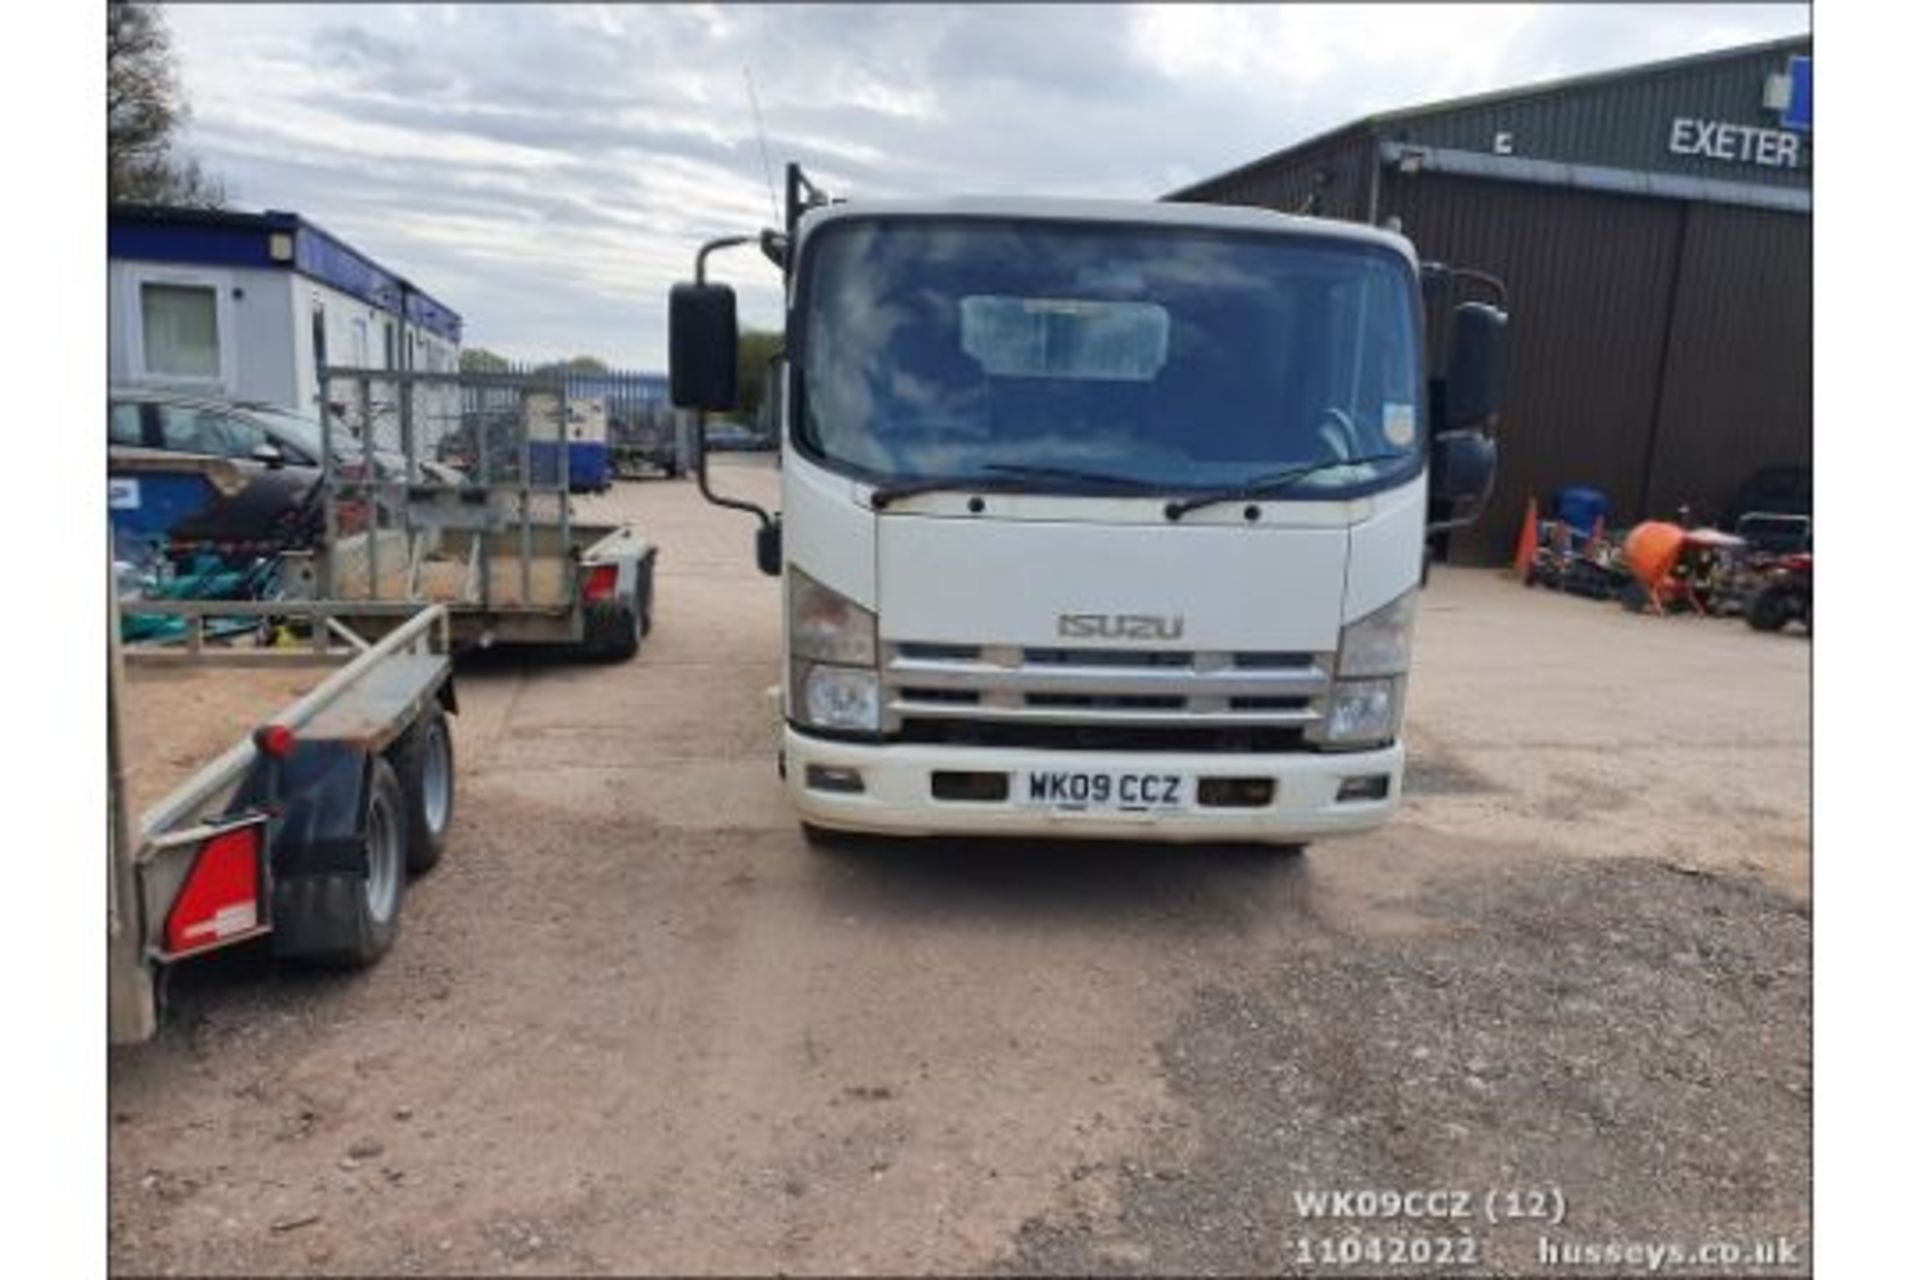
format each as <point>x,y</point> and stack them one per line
<point>714,246</point>
<point>1492,283</point>
<point>700,415</point>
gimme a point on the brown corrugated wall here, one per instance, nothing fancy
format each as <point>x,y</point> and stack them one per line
<point>1333,174</point>
<point>1589,279</point>
<point>1738,393</point>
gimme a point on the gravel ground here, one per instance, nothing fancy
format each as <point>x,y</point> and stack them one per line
<point>634,1024</point>
<point>1653,1068</point>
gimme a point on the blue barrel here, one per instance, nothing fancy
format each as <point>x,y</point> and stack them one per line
<point>1581,508</point>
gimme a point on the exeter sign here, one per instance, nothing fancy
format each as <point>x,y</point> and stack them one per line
<point>1789,94</point>
<point>1741,143</point>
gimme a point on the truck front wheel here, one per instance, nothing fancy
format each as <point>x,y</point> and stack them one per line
<point>827,840</point>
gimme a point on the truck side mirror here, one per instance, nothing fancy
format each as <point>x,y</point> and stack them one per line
<point>1462,466</point>
<point>1476,366</point>
<point>703,341</point>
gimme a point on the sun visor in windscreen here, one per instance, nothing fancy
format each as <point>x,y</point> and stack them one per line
<point>1085,339</point>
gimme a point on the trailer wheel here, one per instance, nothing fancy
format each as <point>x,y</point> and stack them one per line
<point>423,759</point>
<point>612,632</point>
<point>643,595</point>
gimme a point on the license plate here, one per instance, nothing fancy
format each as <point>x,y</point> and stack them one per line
<point>1102,791</point>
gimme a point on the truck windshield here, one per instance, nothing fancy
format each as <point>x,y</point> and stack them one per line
<point>1172,357</point>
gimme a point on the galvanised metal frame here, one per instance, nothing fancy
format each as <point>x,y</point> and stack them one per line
<point>424,633</point>
<point>134,840</point>
<point>483,486</point>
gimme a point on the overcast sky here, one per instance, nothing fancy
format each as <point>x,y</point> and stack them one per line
<point>548,171</point>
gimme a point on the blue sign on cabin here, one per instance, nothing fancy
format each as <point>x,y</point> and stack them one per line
<point>1798,114</point>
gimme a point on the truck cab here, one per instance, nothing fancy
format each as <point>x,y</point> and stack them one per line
<point>1100,518</point>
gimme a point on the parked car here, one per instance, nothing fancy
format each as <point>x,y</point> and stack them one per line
<point>724,436</point>
<point>277,453</point>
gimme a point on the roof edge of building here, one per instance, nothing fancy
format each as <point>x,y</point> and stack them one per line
<point>1537,88</point>
<point>265,220</point>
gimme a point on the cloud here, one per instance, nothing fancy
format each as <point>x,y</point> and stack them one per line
<point>548,171</point>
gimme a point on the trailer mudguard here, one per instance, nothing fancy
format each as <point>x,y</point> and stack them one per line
<point>317,858</point>
<point>319,790</point>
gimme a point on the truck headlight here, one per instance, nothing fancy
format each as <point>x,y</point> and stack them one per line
<point>1363,712</point>
<point>840,697</point>
<point>835,647</point>
<point>825,626</point>
<point>1380,644</point>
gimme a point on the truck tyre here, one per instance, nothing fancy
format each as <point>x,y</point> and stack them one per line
<point>827,840</point>
<point>423,759</point>
<point>612,632</point>
<point>354,929</point>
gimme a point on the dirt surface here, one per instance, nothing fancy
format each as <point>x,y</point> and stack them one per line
<point>634,1024</point>
<point>177,719</point>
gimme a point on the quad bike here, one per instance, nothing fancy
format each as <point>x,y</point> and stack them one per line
<point>1786,596</point>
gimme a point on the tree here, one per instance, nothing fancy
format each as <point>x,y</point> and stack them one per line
<point>588,365</point>
<point>481,360</point>
<point>144,111</point>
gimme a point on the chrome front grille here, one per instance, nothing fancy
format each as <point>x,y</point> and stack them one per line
<point>1145,688</point>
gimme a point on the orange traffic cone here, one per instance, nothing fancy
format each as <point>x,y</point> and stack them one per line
<point>1529,541</point>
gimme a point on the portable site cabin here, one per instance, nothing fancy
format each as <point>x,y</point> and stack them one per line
<point>250,305</point>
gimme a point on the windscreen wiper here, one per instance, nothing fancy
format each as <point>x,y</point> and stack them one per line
<point>1272,483</point>
<point>890,493</point>
<point>1002,477</point>
<point>1130,484</point>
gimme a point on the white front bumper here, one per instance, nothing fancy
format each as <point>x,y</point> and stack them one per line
<point>897,795</point>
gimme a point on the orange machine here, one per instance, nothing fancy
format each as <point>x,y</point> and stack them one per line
<point>1677,566</point>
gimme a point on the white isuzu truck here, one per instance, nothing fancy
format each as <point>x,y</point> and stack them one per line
<point>1100,519</point>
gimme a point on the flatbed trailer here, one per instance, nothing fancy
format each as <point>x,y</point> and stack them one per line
<point>269,792</point>
<point>499,548</point>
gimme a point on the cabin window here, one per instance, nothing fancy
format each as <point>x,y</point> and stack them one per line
<point>180,330</point>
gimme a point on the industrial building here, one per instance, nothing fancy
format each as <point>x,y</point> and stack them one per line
<point>1654,228</point>
<point>250,305</point>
